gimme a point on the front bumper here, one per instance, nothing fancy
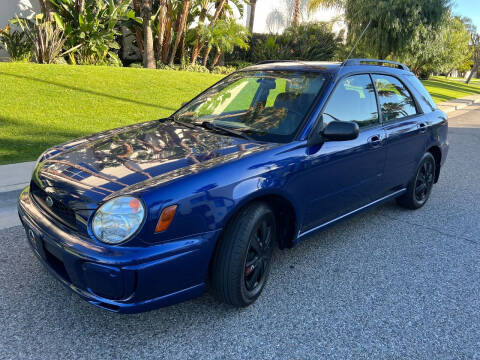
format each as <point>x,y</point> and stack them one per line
<point>118,278</point>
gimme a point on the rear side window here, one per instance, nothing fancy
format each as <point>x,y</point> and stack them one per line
<point>422,91</point>
<point>353,100</point>
<point>396,102</point>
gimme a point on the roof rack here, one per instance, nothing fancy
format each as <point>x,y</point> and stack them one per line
<point>351,62</point>
<point>274,61</point>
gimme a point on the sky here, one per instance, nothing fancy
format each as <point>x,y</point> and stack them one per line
<point>468,8</point>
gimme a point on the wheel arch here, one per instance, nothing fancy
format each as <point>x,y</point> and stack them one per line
<point>437,155</point>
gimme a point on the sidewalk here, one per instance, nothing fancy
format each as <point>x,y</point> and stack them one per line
<point>14,177</point>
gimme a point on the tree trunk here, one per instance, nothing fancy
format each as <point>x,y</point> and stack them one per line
<point>296,12</point>
<point>251,19</point>
<point>474,70</point>
<point>179,32</point>
<point>205,56</point>
<point>168,33</point>
<point>218,11</point>
<point>198,47</point>
<point>148,53</point>
<point>46,9</point>
<point>161,28</point>
<point>138,29</point>
<point>215,58</point>
<point>80,6</point>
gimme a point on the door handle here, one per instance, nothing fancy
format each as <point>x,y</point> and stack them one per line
<point>422,126</point>
<point>375,140</point>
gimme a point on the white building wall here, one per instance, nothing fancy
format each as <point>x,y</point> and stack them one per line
<point>10,8</point>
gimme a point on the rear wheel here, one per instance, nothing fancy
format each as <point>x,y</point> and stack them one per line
<point>242,260</point>
<point>419,189</point>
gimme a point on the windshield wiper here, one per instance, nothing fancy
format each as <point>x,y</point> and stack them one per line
<point>184,123</point>
<point>211,126</point>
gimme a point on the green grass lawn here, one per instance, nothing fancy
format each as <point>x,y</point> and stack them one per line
<point>44,105</point>
<point>444,90</point>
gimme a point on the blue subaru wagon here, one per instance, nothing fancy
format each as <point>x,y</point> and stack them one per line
<point>146,215</point>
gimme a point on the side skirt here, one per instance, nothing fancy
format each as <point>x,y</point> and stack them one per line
<point>301,235</point>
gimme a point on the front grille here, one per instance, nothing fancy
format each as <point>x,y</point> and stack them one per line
<point>57,210</point>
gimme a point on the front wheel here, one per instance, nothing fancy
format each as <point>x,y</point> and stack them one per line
<point>419,189</point>
<point>242,260</point>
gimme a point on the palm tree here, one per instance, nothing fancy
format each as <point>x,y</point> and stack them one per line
<point>251,18</point>
<point>161,27</point>
<point>148,53</point>
<point>296,12</point>
<point>226,35</point>
<point>203,5</point>
<point>179,30</point>
<point>314,5</point>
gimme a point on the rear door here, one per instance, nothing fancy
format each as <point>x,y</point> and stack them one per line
<point>344,175</point>
<point>405,128</point>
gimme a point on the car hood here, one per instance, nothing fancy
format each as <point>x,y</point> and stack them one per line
<point>85,171</point>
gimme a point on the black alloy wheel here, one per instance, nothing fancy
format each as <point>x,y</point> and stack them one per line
<point>419,189</point>
<point>241,262</point>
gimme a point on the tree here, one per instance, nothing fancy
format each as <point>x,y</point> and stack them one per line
<point>226,35</point>
<point>161,27</point>
<point>148,52</point>
<point>197,47</point>
<point>314,5</point>
<point>179,30</point>
<point>475,48</point>
<point>393,23</point>
<point>251,18</point>
<point>439,50</point>
<point>275,22</point>
<point>296,12</point>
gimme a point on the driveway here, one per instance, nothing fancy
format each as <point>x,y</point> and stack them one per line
<point>389,283</point>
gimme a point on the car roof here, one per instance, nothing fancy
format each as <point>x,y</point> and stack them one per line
<point>349,66</point>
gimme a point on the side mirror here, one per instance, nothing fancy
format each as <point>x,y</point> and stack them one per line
<point>341,131</point>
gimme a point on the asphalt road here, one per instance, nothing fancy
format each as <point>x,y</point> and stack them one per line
<point>389,283</point>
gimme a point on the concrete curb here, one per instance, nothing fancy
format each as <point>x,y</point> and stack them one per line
<point>14,177</point>
<point>458,104</point>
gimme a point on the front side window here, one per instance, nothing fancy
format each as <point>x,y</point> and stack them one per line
<point>395,100</point>
<point>353,100</point>
<point>265,105</point>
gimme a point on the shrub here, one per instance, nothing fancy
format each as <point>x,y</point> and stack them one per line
<point>223,70</point>
<point>238,64</point>
<point>136,65</point>
<point>46,38</point>
<point>308,41</point>
<point>16,43</point>
<point>194,68</point>
<point>162,66</point>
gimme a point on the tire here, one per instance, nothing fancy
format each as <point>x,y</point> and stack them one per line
<point>241,263</point>
<point>420,187</point>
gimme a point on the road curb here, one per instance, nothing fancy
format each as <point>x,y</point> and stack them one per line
<point>458,104</point>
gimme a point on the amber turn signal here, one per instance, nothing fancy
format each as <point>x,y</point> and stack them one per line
<point>166,218</point>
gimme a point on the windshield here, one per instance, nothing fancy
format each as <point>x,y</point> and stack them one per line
<point>265,105</point>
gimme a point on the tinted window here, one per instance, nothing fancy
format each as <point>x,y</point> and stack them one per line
<point>353,100</point>
<point>423,92</point>
<point>396,101</point>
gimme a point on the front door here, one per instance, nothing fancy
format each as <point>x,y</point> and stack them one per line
<point>344,175</point>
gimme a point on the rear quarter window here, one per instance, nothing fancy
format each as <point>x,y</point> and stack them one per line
<point>426,97</point>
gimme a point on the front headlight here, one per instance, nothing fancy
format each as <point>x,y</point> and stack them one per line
<point>118,219</point>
